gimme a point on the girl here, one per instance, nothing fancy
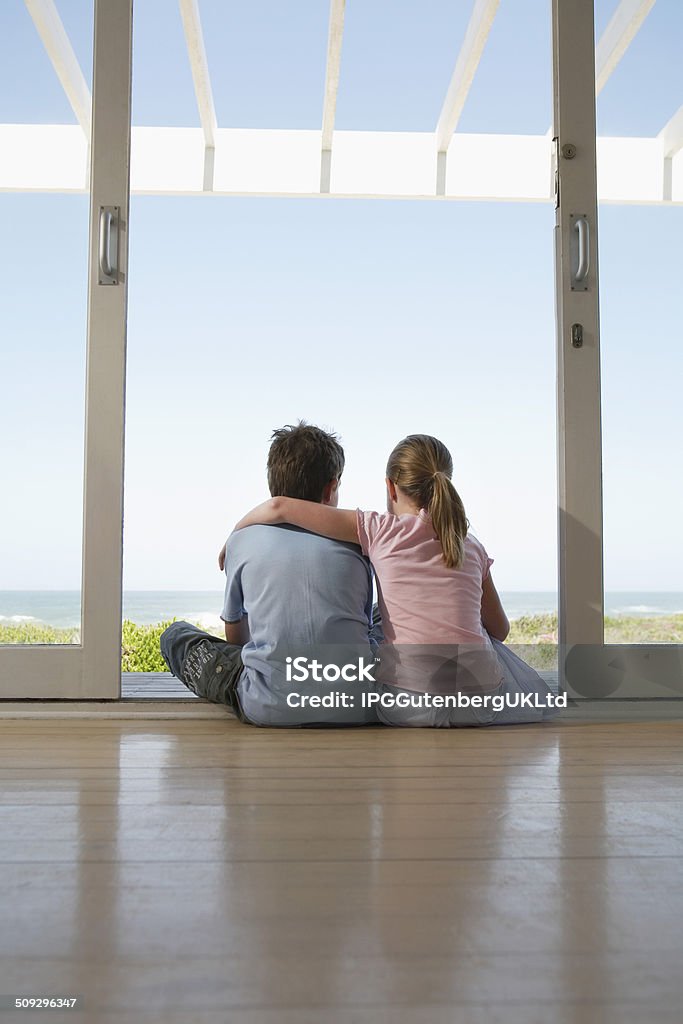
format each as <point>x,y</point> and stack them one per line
<point>442,618</point>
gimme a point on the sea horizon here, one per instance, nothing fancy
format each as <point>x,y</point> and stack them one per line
<point>61,608</point>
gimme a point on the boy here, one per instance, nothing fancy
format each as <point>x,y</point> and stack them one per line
<point>286,590</point>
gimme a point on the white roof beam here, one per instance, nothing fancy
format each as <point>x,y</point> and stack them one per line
<point>478,29</point>
<point>259,162</point>
<point>194,39</point>
<point>618,36</point>
<point>671,139</point>
<point>60,51</point>
<point>671,135</point>
<point>335,36</point>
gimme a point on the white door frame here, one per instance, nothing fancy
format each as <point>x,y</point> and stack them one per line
<point>93,668</point>
<point>579,435</point>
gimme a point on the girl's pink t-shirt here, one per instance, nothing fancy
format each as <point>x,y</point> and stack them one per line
<point>422,601</point>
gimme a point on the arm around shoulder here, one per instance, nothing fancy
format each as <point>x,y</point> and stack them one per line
<point>336,523</point>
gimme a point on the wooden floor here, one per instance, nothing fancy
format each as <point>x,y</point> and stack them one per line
<point>189,872</point>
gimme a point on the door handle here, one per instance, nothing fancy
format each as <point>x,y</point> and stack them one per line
<point>109,245</point>
<point>580,255</point>
<point>584,266</point>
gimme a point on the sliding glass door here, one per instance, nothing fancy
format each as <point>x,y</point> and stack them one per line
<point>373,317</point>
<point>640,129</point>
<point>65,279</point>
<point>641,332</point>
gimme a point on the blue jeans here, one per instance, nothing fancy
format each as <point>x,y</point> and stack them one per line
<point>208,666</point>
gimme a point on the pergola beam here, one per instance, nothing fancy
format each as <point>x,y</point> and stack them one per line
<point>263,162</point>
<point>671,135</point>
<point>671,138</point>
<point>60,51</point>
<point>334,47</point>
<point>476,36</point>
<point>622,29</point>
<point>194,39</point>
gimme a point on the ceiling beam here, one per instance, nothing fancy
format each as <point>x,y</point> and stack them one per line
<point>335,36</point>
<point>194,39</point>
<point>478,29</point>
<point>671,135</point>
<point>618,36</point>
<point>60,51</point>
<point>260,162</point>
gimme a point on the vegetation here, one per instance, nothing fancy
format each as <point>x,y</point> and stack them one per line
<point>140,647</point>
<point>620,629</point>
<point>30,633</point>
<point>533,637</point>
<point>139,644</point>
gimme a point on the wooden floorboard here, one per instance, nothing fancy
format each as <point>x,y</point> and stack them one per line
<point>207,871</point>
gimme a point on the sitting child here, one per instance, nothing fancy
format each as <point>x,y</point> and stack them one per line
<point>443,621</point>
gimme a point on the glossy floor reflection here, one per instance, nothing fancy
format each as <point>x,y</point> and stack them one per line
<point>207,872</point>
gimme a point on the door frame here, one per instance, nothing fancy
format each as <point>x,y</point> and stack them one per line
<point>92,669</point>
<point>579,432</point>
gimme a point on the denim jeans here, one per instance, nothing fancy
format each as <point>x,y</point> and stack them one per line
<point>207,665</point>
<point>211,667</point>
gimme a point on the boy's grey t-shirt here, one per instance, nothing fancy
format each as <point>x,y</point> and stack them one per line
<point>298,589</point>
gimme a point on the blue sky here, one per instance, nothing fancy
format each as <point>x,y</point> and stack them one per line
<point>376,318</point>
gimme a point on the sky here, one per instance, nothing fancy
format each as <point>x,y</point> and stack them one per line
<point>375,318</point>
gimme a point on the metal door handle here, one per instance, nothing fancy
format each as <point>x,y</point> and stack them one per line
<point>109,245</point>
<point>584,264</point>
<point>105,241</point>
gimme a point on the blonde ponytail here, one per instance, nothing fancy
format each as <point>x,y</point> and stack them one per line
<point>447,513</point>
<point>422,467</point>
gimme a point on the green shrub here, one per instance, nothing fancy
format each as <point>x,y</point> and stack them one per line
<point>140,647</point>
<point>139,644</point>
<point>36,633</point>
<point>533,629</point>
<point>534,637</point>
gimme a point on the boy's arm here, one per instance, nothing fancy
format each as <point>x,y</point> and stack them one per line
<point>237,632</point>
<point>234,615</point>
<point>336,523</point>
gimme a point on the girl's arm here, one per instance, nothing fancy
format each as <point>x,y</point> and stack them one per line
<point>336,523</point>
<point>493,617</point>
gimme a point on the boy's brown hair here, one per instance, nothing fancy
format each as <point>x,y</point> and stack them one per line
<point>302,460</point>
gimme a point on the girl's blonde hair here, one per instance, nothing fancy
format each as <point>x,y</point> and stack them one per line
<point>422,467</point>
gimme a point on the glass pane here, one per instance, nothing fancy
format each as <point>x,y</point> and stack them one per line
<point>163,93</point>
<point>267,62</point>
<point>641,266</point>
<point>373,318</point>
<point>396,67</point>
<point>43,285</point>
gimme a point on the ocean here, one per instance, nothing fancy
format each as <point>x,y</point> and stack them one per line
<point>61,608</point>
